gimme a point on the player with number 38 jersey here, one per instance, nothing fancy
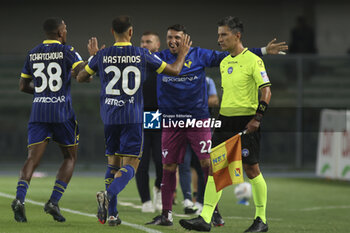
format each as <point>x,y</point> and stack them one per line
<point>49,65</point>
<point>47,75</point>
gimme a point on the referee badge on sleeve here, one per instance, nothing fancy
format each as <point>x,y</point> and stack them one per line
<point>264,76</point>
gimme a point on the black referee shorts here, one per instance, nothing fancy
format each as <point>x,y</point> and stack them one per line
<point>233,125</point>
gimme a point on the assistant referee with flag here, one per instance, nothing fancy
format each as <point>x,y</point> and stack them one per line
<point>243,74</point>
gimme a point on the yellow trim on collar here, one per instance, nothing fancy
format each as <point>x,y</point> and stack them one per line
<point>51,42</point>
<point>122,44</point>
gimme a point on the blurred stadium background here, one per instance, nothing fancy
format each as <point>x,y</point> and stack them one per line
<point>303,84</point>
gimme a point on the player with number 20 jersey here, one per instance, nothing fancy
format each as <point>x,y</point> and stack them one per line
<point>122,69</point>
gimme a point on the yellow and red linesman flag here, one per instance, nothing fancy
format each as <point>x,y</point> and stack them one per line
<point>226,161</point>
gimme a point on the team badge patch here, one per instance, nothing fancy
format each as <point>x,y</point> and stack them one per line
<point>245,152</point>
<point>165,153</point>
<point>229,70</point>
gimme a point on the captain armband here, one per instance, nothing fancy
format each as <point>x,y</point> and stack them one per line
<point>262,107</point>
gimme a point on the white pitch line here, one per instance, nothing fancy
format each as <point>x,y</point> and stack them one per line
<point>136,226</point>
<point>326,208</point>
<point>132,205</point>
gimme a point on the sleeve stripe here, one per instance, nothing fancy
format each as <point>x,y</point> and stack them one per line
<point>161,68</point>
<point>23,75</point>
<point>89,70</point>
<point>75,64</point>
<point>265,85</point>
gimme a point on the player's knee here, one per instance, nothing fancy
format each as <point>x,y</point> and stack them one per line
<point>132,161</point>
<point>205,162</point>
<point>251,171</point>
<point>32,161</point>
<point>170,167</point>
<point>70,153</point>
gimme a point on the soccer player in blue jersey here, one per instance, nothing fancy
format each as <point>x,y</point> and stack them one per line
<point>47,75</point>
<point>183,99</point>
<point>122,69</point>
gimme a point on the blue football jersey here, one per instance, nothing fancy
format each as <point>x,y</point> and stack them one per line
<point>49,65</point>
<point>122,69</point>
<point>186,94</point>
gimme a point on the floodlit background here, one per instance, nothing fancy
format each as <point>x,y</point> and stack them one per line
<point>304,82</point>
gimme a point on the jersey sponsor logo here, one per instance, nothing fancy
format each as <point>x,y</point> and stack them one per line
<point>264,76</point>
<point>229,70</point>
<point>119,103</point>
<point>165,153</point>
<point>260,63</point>
<point>245,152</point>
<point>45,56</point>
<point>188,63</point>
<point>50,100</point>
<point>152,120</point>
<point>179,79</point>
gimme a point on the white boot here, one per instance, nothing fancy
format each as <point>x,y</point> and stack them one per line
<point>157,199</point>
<point>147,207</point>
<point>190,208</point>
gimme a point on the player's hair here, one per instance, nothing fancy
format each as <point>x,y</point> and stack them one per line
<point>121,24</point>
<point>148,33</point>
<point>233,23</point>
<point>178,28</point>
<point>51,26</point>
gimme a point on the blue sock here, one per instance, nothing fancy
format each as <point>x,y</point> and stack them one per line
<point>120,182</point>
<point>118,185</point>
<point>22,187</point>
<point>112,206</point>
<point>58,191</point>
<point>109,176</point>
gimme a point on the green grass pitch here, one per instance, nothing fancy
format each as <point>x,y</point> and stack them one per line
<point>294,205</point>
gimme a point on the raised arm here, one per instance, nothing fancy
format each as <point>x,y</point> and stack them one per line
<point>175,68</point>
<point>82,74</point>
<point>271,48</point>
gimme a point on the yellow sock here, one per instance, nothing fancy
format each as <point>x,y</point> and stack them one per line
<point>211,199</point>
<point>259,191</point>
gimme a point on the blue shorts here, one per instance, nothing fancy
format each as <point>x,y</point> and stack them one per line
<point>65,134</point>
<point>124,140</point>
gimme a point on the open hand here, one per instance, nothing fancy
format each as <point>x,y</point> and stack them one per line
<point>276,48</point>
<point>93,46</point>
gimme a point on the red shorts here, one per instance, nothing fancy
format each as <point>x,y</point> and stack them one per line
<point>175,140</point>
